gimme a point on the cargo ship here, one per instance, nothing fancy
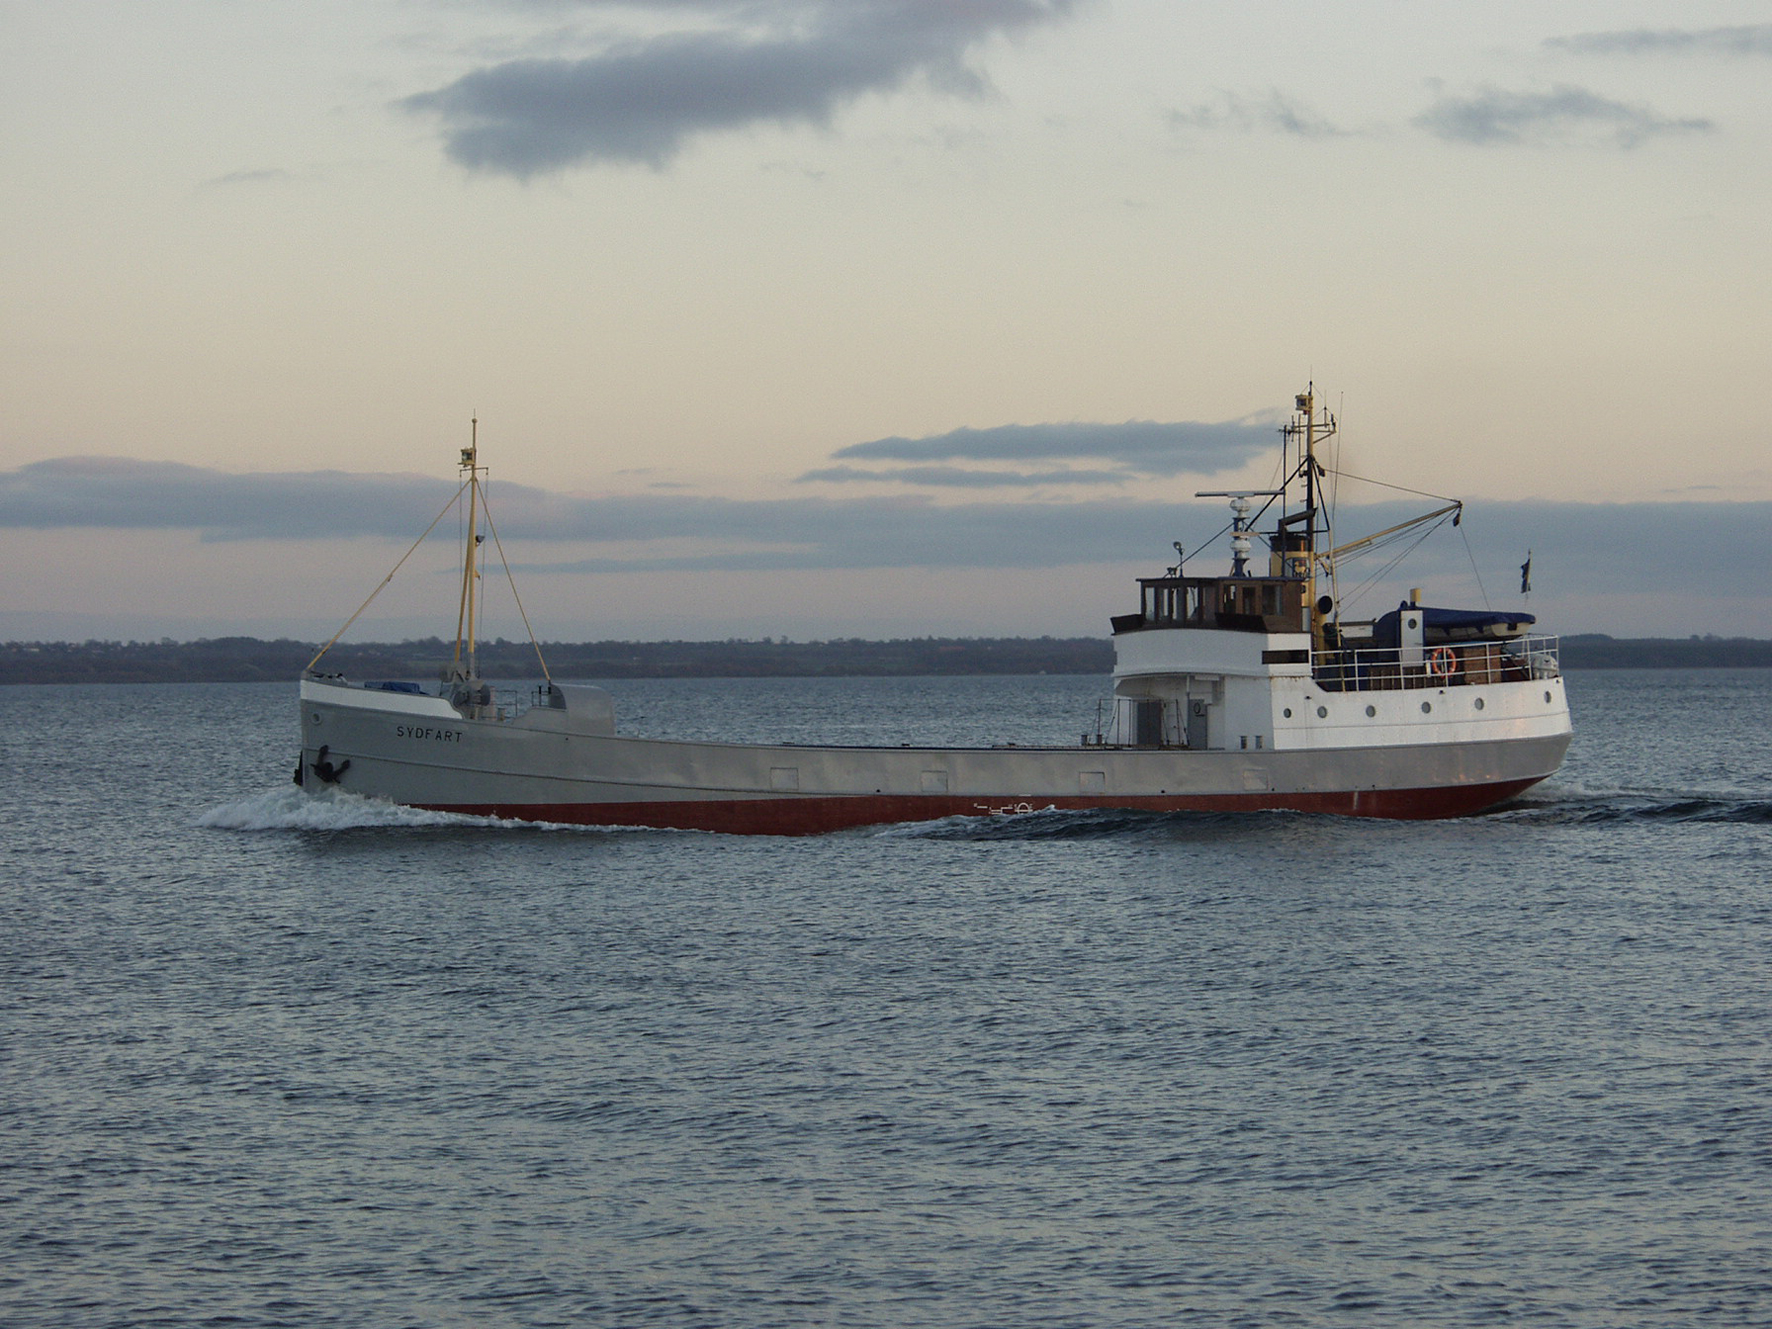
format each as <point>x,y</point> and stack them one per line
<point>1238,691</point>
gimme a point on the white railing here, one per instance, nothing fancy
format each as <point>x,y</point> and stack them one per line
<point>1380,669</point>
<point>490,701</point>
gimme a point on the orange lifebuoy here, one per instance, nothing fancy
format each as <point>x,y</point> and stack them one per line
<point>1441,662</point>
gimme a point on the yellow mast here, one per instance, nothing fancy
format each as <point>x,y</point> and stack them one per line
<point>465,627</point>
<point>473,591</point>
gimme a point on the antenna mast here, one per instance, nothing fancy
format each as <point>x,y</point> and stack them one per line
<point>1309,431</point>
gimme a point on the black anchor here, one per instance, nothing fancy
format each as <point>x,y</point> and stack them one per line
<point>328,773</point>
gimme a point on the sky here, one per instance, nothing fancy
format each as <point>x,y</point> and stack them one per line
<point>872,318</point>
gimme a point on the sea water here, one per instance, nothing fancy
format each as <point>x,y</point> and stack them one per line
<point>272,1060</point>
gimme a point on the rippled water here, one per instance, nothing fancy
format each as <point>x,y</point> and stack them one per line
<point>278,1061</point>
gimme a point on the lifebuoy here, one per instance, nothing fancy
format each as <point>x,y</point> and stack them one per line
<point>1441,662</point>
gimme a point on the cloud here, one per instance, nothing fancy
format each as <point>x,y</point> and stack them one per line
<point>1495,116</point>
<point>1137,447</point>
<point>954,477</point>
<point>127,494</point>
<point>1275,113</point>
<point>270,175</point>
<point>1585,548</point>
<point>764,62</point>
<point>1750,39</point>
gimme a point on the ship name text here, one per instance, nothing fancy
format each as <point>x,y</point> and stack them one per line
<point>427,733</point>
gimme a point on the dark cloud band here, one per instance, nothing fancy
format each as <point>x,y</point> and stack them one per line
<point>122,493</point>
<point>1592,548</point>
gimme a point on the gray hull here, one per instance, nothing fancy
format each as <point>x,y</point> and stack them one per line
<point>557,765</point>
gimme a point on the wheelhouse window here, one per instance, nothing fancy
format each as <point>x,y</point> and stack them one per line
<point>1273,604</point>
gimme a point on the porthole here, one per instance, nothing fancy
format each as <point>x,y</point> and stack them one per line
<point>1478,703</point>
<point>1547,696</point>
<point>1322,712</point>
<point>1287,712</point>
<point>1371,711</point>
<point>1427,707</point>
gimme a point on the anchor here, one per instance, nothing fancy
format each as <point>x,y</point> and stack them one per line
<point>328,773</point>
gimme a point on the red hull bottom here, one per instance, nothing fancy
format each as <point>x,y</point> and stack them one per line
<point>813,815</point>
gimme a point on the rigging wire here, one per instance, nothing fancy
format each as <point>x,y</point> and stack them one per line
<point>1383,571</point>
<point>454,499</point>
<point>492,526</point>
<point>1335,474</point>
<point>1475,571</point>
<point>1402,489</point>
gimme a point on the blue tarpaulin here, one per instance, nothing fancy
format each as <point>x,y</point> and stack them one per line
<point>1453,622</point>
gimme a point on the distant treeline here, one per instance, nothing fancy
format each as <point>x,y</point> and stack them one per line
<point>249,660</point>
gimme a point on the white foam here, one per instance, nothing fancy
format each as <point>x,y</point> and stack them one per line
<point>290,808</point>
<point>986,816</point>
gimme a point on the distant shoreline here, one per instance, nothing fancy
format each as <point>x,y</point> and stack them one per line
<point>250,660</point>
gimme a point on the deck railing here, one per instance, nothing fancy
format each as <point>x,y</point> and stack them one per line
<point>1382,669</point>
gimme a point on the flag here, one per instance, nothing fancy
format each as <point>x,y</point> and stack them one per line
<point>1526,575</point>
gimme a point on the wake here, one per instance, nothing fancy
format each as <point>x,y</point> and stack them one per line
<point>292,809</point>
<point>1634,808</point>
<point>1546,807</point>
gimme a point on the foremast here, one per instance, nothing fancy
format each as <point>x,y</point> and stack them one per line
<point>463,671</point>
<point>466,667</point>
